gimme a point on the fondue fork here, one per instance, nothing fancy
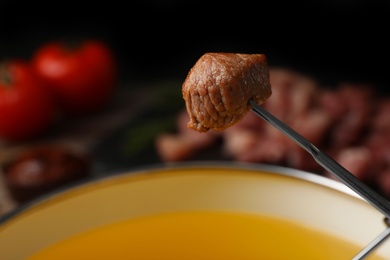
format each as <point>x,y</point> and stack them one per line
<point>338,171</point>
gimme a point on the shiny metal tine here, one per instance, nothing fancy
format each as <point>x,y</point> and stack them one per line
<point>350,180</point>
<point>327,162</point>
<point>373,245</point>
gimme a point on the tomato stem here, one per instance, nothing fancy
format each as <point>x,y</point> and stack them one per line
<point>5,76</point>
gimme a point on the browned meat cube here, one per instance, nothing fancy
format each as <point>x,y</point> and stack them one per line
<point>219,86</point>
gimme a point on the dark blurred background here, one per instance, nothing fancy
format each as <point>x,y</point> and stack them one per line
<point>332,40</point>
<point>154,40</point>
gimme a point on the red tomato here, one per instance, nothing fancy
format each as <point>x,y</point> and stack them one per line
<point>27,109</point>
<point>82,75</point>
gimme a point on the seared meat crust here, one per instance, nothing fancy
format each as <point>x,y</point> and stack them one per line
<point>219,86</point>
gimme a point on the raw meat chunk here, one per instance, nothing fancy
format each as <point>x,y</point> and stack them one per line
<point>218,88</point>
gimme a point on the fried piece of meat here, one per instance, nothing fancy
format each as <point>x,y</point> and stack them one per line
<point>218,88</point>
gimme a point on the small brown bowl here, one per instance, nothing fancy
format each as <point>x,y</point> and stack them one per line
<point>34,171</point>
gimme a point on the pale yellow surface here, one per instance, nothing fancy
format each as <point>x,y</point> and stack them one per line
<point>202,235</point>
